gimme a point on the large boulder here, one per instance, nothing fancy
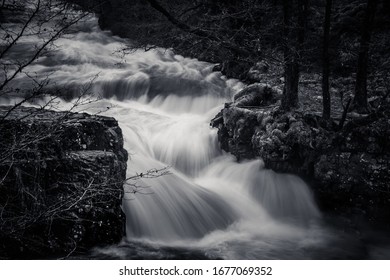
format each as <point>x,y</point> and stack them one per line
<point>61,185</point>
<point>238,121</point>
<point>347,169</point>
<point>235,130</point>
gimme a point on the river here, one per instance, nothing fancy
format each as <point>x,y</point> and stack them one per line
<point>208,205</point>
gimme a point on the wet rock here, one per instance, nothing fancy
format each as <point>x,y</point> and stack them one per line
<point>63,183</point>
<point>257,95</point>
<point>236,130</point>
<point>217,67</point>
<point>348,169</point>
<point>233,68</point>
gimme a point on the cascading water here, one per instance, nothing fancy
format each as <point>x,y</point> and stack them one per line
<point>164,103</point>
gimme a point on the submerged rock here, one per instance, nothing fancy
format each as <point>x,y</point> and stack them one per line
<point>61,185</point>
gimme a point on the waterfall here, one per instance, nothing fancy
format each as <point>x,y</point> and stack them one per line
<point>164,103</point>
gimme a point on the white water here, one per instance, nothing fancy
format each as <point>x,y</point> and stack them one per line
<point>164,103</point>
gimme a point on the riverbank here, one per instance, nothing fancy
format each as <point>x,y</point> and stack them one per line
<point>347,167</point>
<point>61,184</point>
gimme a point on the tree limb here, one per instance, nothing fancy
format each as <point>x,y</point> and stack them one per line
<point>196,31</point>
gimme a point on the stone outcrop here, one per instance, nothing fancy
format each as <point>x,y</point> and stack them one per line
<point>347,168</point>
<point>238,121</point>
<point>61,183</point>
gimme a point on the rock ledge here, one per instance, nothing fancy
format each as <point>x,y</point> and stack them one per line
<point>61,185</point>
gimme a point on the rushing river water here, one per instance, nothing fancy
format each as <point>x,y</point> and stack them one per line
<point>208,206</point>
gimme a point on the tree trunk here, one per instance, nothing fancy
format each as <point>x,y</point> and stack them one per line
<point>325,63</point>
<point>290,90</point>
<point>360,100</point>
<point>293,45</point>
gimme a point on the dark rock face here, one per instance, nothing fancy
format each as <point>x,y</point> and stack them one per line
<point>347,169</point>
<point>236,127</point>
<point>61,183</point>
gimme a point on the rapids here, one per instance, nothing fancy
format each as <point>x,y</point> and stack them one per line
<point>208,201</point>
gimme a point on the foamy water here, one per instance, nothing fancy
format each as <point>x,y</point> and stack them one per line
<point>164,103</point>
